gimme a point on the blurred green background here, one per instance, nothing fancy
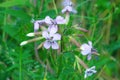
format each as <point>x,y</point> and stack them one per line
<point>100,17</point>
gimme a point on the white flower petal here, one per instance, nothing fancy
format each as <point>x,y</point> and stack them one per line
<point>94,71</point>
<point>56,36</point>
<point>93,68</point>
<point>85,49</point>
<point>48,20</point>
<point>55,45</point>
<point>47,44</point>
<point>90,43</point>
<point>52,29</point>
<point>36,26</point>
<point>84,52</point>
<point>60,20</point>
<point>67,8</point>
<point>45,34</point>
<point>63,10</point>
<point>85,76</point>
<point>89,56</point>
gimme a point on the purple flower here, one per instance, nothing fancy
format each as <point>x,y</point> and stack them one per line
<point>37,24</point>
<point>53,23</point>
<point>90,71</point>
<point>87,49</point>
<point>51,39</point>
<point>68,7</point>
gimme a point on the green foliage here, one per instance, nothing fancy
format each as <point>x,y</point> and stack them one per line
<point>100,17</point>
<point>12,3</point>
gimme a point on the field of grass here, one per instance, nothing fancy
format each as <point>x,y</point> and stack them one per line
<point>94,20</point>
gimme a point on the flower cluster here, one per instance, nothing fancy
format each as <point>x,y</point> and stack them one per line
<point>53,23</point>
<point>51,35</point>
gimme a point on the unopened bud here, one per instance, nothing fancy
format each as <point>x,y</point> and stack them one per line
<point>30,34</point>
<point>23,43</point>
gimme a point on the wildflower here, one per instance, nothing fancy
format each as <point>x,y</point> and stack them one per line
<point>37,24</point>
<point>53,28</point>
<point>68,7</point>
<point>87,49</point>
<point>51,39</point>
<point>90,71</point>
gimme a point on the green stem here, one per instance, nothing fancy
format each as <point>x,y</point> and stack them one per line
<point>20,66</point>
<point>52,59</point>
<point>55,7</point>
<point>4,24</point>
<point>98,40</point>
<point>93,32</point>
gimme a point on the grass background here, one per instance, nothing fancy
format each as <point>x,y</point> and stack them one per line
<point>100,17</point>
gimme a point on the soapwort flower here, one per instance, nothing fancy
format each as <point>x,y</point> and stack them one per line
<point>87,49</point>
<point>68,7</point>
<point>53,23</point>
<point>90,72</point>
<point>51,39</point>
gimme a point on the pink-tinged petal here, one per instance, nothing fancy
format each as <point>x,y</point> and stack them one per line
<point>55,45</point>
<point>67,8</point>
<point>63,10</point>
<point>45,34</point>
<point>47,44</point>
<point>36,26</point>
<point>48,20</point>
<point>84,52</point>
<point>56,36</point>
<point>89,56</point>
<point>85,47</point>
<point>52,29</point>
<point>60,20</point>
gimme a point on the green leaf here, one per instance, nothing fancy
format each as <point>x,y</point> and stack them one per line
<point>11,3</point>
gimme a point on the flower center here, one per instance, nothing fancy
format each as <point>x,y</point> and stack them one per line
<point>50,40</point>
<point>93,50</point>
<point>89,72</point>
